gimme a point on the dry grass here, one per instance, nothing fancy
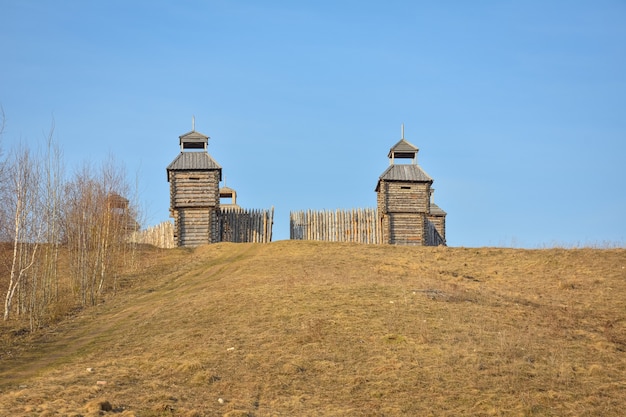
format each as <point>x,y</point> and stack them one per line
<point>306,328</point>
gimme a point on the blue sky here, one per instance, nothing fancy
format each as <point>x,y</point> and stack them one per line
<point>518,107</point>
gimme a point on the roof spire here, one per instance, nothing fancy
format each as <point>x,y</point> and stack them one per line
<point>402,131</point>
<point>193,123</point>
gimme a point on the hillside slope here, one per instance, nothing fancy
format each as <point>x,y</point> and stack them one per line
<point>308,328</point>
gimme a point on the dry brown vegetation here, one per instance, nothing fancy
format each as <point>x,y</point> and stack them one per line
<point>308,328</point>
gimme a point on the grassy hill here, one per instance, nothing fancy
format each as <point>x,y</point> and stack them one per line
<point>322,329</point>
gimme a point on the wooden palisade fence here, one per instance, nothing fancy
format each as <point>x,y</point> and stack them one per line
<point>161,235</point>
<point>243,225</point>
<point>235,225</point>
<point>356,225</point>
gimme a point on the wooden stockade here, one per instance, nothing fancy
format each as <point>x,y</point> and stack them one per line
<point>241,225</point>
<point>357,225</point>
<point>236,225</point>
<point>161,236</point>
<point>405,213</point>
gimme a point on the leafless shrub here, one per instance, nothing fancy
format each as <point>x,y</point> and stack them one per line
<point>40,212</point>
<point>97,221</point>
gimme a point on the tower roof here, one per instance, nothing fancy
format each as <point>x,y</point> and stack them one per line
<point>190,160</point>
<point>193,161</point>
<point>435,210</point>
<point>404,173</point>
<point>227,191</point>
<point>193,140</point>
<point>403,149</point>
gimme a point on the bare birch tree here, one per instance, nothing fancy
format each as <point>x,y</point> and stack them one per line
<point>3,222</point>
<point>40,213</point>
<point>23,203</point>
<point>44,290</point>
<point>97,222</point>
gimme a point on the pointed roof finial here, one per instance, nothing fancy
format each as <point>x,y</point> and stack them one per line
<point>193,123</point>
<point>402,131</point>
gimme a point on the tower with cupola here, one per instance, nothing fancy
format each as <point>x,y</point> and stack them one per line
<point>194,179</point>
<point>404,190</point>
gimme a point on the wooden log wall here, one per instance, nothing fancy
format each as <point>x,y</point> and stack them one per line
<point>236,225</point>
<point>194,189</point>
<point>357,225</point>
<point>197,226</point>
<point>404,197</point>
<point>243,225</point>
<point>256,226</point>
<point>406,228</point>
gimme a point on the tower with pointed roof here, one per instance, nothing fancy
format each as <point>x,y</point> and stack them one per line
<point>194,179</point>
<point>404,191</point>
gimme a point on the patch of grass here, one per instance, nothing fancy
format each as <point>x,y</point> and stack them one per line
<point>311,328</point>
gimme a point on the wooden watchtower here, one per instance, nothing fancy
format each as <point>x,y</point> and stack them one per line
<point>406,214</point>
<point>228,199</point>
<point>194,179</point>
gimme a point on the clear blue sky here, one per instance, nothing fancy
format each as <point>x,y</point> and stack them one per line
<point>518,107</point>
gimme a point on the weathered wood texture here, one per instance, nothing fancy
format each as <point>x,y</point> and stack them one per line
<point>405,229</point>
<point>235,225</point>
<point>404,210</point>
<point>439,222</point>
<point>412,229</point>
<point>196,226</point>
<point>404,197</point>
<point>195,205</point>
<point>432,236</point>
<point>194,189</point>
<point>239,225</point>
<point>358,225</point>
<point>161,236</point>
